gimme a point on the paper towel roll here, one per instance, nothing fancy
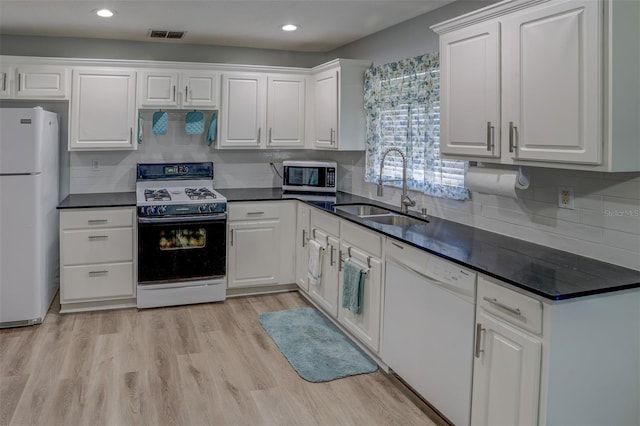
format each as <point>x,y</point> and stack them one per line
<point>495,181</point>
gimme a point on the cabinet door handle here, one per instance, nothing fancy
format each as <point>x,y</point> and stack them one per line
<point>397,245</point>
<point>269,142</point>
<point>254,213</point>
<point>304,237</point>
<point>19,82</point>
<point>98,273</point>
<point>331,133</point>
<point>331,255</point>
<point>490,136</point>
<point>339,260</point>
<point>98,237</point>
<point>231,236</point>
<point>514,311</point>
<point>131,134</point>
<point>4,81</point>
<point>479,331</point>
<point>259,134</point>
<point>97,221</point>
<point>186,93</point>
<point>513,137</point>
<point>174,93</point>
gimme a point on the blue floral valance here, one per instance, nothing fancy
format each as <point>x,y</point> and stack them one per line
<point>402,102</point>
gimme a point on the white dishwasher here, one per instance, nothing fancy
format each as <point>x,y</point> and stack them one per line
<point>428,332</point>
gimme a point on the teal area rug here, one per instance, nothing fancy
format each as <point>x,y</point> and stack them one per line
<point>314,346</point>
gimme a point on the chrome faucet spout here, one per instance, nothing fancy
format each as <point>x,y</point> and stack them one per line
<point>405,201</point>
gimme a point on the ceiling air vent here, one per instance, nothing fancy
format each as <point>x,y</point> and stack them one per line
<point>173,35</point>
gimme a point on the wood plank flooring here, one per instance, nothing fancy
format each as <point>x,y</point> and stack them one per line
<point>208,364</point>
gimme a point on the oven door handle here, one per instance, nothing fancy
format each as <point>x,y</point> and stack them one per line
<point>184,219</point>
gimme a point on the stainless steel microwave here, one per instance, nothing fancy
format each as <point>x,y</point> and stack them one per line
<point>309,176</point>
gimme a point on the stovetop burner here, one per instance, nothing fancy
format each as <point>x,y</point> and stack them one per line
<point>157,195</point>
<point>199,193</point>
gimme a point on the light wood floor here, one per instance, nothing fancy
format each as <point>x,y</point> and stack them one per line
<point>209,364</point>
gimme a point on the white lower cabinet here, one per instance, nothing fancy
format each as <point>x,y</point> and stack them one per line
<point>508,350</point>
<point>260,244</point>
<point>325,231</point>
<point>97,259</point>
<point>303,213</point>
<point>363,247</point>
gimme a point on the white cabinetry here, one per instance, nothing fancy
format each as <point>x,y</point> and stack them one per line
<point>302,245</point>
<point>528,82</point>
<point>260,244</point>
<point>262,111</point>
<point>506,376</point>
<point>97,259</point>
<point>103,109</point>
<point>35,82</point>
<point>178,89</point>
<point>339,122</point>
<point>325,230</point>
<point>364,247</point>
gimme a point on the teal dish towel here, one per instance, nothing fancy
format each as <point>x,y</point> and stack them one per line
<point>353,286</point>
<point>159,122</point>
<point>213,129</point>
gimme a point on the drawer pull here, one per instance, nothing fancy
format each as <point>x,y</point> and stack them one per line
<point>98,237</point>
<point>97,221</point>
<point>98,273</point>
<point>514,311</point>
<point>397,245</point>
<point>254,213</point>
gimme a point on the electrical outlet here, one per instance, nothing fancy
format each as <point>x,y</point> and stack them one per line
<point>565,197</point>
<point>96,165</point>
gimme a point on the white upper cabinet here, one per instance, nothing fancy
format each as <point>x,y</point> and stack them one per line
<point>263,111</point>
<point>242,117</point>
<point>532,83</point>
<point>551,82</point>
<point>470,91</point>
<point>103,109</point>
<point>178,89</point>
<point>338,117</point>
<point>286,111</point>
<point>35,82</point>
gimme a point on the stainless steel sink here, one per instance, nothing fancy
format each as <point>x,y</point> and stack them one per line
<point>363,210</point>
<point>396,220</point>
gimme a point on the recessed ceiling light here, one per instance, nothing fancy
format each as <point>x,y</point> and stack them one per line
<point>289,27</point>
<point>104,13</point>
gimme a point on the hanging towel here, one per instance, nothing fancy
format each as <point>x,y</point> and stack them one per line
<point>159,122</point>
<point>194,123</point>
<point>353,286</point>
<point>212,134</point>
<point>314,271</point>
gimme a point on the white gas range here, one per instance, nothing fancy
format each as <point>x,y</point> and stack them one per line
<point>182,225</point>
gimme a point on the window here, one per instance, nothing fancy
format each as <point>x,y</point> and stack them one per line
<point>403,111</point>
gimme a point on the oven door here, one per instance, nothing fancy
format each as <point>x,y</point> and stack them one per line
<point>181,248</point>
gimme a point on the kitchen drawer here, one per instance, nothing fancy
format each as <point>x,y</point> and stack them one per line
<point>97,218</point>
<point>516,308</point>
<point>362,238</point>
<point>253,211</point>
<point>325,222</point>
<point>97,246</point>
<point>89,282</point>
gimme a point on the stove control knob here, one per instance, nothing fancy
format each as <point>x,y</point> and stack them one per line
<point>162,209</point>
<point>202,208</point>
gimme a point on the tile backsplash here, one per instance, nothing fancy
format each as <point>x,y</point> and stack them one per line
<point>604,225</point>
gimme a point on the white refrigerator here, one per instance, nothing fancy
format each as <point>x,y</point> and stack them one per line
<point>29,248</point>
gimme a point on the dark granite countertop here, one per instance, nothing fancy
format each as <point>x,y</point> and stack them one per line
<point>104,199</point>
<point>547,272</point>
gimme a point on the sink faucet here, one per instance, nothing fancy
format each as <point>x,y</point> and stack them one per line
<point>405,201</point>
